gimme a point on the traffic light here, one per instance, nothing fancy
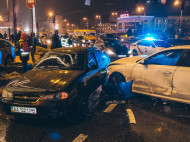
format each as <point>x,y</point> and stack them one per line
<point>53,19</point>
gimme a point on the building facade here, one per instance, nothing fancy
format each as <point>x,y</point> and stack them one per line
<point>161,25</point>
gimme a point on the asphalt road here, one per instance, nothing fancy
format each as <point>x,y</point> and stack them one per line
<point>139,119</point>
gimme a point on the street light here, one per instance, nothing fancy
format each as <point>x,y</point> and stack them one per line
<point>1,18</point>
<point>142,9</point>
<point>177,3</point>
<point>51,14</point>
<point>86,19</point>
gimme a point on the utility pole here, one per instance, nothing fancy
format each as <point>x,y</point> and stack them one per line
<point>14,21</point>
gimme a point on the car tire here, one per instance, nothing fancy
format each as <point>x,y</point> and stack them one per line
<point>9,59</point>
<point>135,53</point>
<point>113,82</point>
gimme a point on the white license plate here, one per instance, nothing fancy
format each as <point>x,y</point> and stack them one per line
<point>122,56</point>
<point>27,110</point>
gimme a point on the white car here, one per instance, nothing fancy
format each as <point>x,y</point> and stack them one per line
<point>7,52</point>
<point>165,74</point>
<point>148,46</point>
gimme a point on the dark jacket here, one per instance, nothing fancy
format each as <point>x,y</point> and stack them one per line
<point>56,42</point>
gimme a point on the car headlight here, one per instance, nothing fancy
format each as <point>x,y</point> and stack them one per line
<point>49,41</point>
<point>83,41</point>
<point>58,96</point>
<point>6,94</point>
<point>110,52</point>
<point>129,52</point>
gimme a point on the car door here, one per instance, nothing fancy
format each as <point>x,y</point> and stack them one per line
<point>151,48</point>
<point>154,74</point>
<point>92,76</point>
<point>142,47</point>
<point>181,79</point>
<point>102,65</point>
<point>4,52</point>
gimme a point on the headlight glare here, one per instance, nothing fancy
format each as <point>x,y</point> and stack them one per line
<point>110,52</point>
<point>129,52</point>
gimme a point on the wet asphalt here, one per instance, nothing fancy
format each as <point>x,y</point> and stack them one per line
<point>138,119</point>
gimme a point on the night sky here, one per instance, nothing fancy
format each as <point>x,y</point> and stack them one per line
<point>75,10</point>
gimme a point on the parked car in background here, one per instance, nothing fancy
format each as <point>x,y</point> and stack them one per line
<point>58,85</point>
<point>7,52</point>
<point>164,74</point>
<point>148,46</point>
<point>112,47</point>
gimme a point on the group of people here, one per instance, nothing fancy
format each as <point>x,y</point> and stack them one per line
<point>27,43</point>
<point>56,41</point>
<point>3,36</point>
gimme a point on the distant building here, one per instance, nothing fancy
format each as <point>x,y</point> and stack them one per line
<point>159,25</point>
<point>107,27</point>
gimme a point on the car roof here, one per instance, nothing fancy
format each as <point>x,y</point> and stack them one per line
<point>74,49</point>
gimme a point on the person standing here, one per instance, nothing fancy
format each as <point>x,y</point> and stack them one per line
<point>5,35</point>
<point>32,43</point>
<point>24,56</point>
<point>56,42</point>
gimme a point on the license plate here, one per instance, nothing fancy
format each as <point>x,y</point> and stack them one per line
<point>27,110</point>
<point>122,56</point>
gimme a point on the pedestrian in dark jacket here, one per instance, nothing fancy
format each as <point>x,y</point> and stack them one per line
<point>17,38</point>
<point>32,43</point>
<point>56,42</point>
<point>5,35</point>
<point>1,36</point>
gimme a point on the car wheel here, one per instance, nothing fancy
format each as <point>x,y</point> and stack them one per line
<point>113,83</point>
<point>135,53</point>
<point>8,60</point>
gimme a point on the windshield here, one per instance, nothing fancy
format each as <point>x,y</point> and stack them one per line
<point>112,43</point>
<point>162,44</point>
<point>54,60</point>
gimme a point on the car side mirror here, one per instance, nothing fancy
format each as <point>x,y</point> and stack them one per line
<point>93,67</point>
<point>144,62</point>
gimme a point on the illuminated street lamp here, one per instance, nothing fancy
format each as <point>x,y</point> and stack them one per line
<point>1,18</point>
<point>86,19</point>
<point>177,3</point>
<point>98,17</point>
<point>51,14</point>
<point>142,9</point>
<point>114,14</point>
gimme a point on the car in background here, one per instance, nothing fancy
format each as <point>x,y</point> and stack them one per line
<point>58,85</point>
<point>7,52</point>
<point>164,74</point>
<point>148,46</point>
<point>112,47</point>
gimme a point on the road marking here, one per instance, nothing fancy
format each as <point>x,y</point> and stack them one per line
<point>131,116</point>
<point>80,138</point>
<point>116,102</point>
<point>110,108</point>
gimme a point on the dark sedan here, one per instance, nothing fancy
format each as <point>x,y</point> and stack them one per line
<point>58,85</point>
<point>112,47</point>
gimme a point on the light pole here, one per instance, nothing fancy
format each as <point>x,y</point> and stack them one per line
<point>86,19</point>
<point>176,3</point>
<point>142,9</point>
<point>51,14</point>
<point>114,14</point>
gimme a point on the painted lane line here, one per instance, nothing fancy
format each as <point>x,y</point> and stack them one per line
<point>116,102</point>
<point>110,108</point>
<point>131,116</point>
<point>80,138</point>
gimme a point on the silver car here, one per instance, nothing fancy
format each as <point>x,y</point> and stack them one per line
<point>7,52</point>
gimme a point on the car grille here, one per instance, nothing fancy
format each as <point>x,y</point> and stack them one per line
<point>27,98</point>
